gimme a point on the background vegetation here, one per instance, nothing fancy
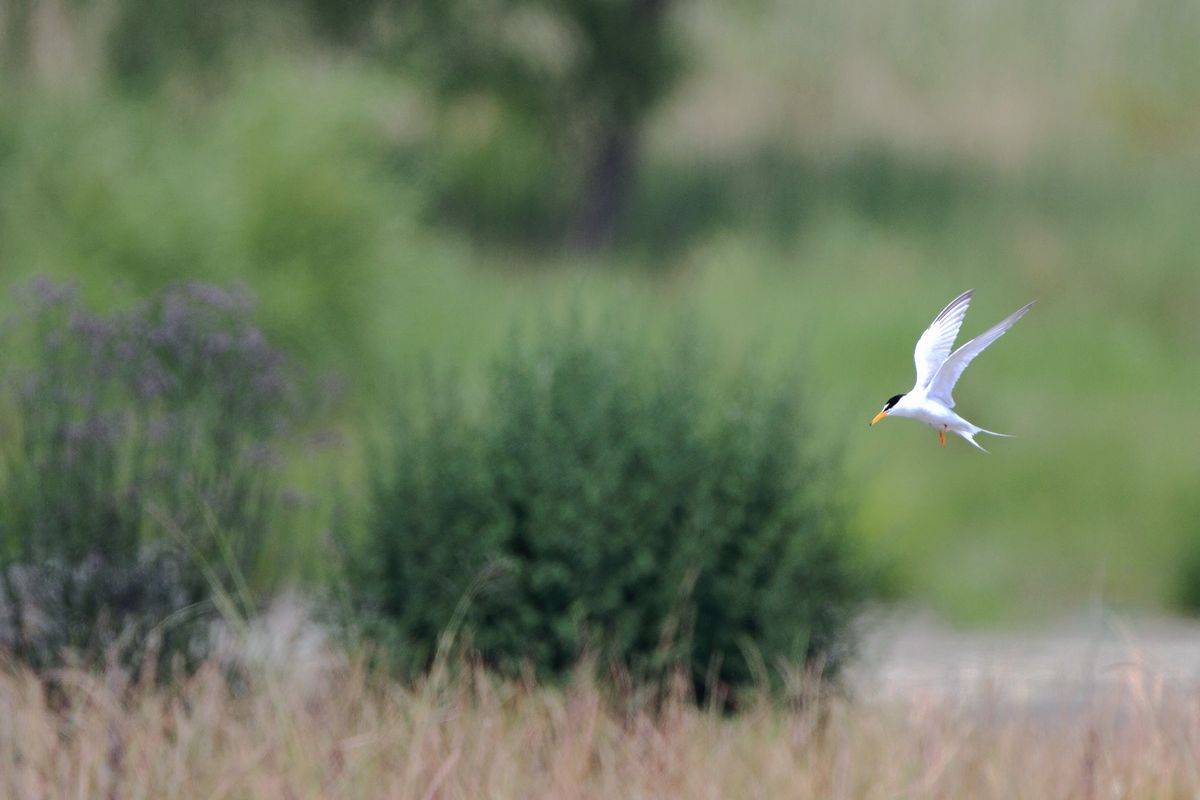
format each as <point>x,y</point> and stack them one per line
<point>807,181</point>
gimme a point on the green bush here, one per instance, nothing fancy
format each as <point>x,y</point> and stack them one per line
<point>282,182</point>
<point>617,499</point>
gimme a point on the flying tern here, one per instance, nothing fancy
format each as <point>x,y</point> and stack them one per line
<point>930,400</point>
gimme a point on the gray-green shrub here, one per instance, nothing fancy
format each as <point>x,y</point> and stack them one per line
<point>615,498</point>
<point>141,465</point>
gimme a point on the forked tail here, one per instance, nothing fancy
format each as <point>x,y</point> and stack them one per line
<point>975,431</point>
<point>970,437</point>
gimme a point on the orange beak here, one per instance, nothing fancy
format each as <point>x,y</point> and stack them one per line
<point>878,417</point>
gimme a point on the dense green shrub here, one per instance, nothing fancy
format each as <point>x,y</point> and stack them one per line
<point>613,498</point>
<point>141,465</point>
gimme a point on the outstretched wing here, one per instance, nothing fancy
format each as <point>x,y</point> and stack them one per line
<point>942,385</point>
<point>934,345</point>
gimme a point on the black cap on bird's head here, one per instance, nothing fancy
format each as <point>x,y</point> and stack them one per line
<point>887,407</point>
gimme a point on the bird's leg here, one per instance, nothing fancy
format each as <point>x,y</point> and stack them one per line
<point>942,437</point>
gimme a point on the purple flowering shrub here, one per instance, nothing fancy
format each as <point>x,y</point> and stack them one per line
<point>141,464</point>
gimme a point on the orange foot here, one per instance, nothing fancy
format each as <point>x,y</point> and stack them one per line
<point>942,437</point>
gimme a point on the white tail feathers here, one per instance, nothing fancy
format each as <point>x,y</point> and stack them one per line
<point>970,437</point>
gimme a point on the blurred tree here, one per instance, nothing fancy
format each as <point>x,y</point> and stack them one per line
<point>150,38</point>
<point>626,70</point>
<point>343,21</point>
<point>583,73</point>
<point>554,92</point>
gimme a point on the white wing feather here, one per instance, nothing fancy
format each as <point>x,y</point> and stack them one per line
<point>942,384</point>
<point>934,345</point>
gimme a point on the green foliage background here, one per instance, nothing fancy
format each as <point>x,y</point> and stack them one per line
<point>820,179</point>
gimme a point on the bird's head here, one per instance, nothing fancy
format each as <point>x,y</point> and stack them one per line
<point>886,408</point>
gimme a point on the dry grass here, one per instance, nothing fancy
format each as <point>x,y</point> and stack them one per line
<point>338,731</point>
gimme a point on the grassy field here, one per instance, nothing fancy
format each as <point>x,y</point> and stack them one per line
<point>825,179</point>
<point>329,729</point>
